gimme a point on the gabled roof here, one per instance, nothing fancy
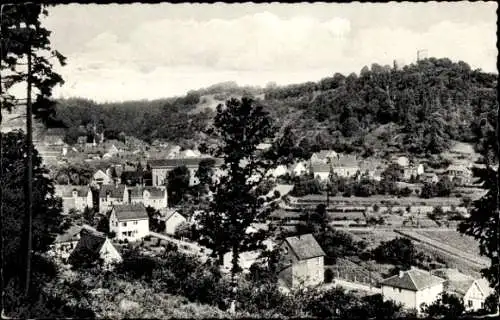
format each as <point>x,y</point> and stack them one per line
<point>414,280</point>
<point>305,246</point>
<point>115,191</point>
<point>66,191</point>
<point>171,214</point>
<point>320,167</point>
<point>89,245</point>
<point>130,212</point>
<point>178,162</point>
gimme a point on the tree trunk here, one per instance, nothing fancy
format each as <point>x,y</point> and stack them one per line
<point>29,172</point>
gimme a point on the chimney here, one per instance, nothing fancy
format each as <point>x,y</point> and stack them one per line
<point>401,274</point>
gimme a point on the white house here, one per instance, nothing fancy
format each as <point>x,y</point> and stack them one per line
<point>92,245</point>
<point>473,291</point>
<point>414,170</point>
<point>74,197</point>
<point>110,195</point>
<point>129,221</point>
<point>101,178</point>
<point>280,170</point>
<point>299,169</point>
<point>323,156</point>
<point>321,171</point>
<point>172,220</point>
<point>303,260</point>
<point>161,168</point>
<point>402,161</point>
<point>155,197</point>
<point>412,288</point>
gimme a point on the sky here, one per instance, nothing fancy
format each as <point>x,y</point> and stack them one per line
<point>149,51</point>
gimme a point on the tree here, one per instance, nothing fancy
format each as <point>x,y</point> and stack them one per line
<point>178,184</point>
<point>47,222</point>
<point>399,251</point>
<point>26,38</point>
<point>447,306</point>
<point>241,126</point>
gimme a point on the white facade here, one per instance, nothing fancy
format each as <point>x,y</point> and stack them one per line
<point>75,201</point>
<point>106,203</point>
<point>412,299</point>
<point>299,169</point>
<point>345,171</point>
<point>476,295</point>
<point>130,229</point>
<point>109,254</point>
<point>101,178</point>
<point>173,222</point>
<point>151,201</point>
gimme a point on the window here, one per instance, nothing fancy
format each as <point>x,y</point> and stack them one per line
<point>135,222</point>
<point>469,303</point>
<point>124,224</point>
<point>399,290</point>
<point>124,234</point>
<point>482,305</point>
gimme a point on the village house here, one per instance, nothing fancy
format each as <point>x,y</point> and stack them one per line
<point>66,242</point>
<point>101,178</point>
<point>74,197</point>
<point>459,173</point>
<point>172,220</point>
<point>298,169</point>
<point>345,166</point>
<point>161,168</point>
<point>129,221</point>
<point>110,195</point>
<point>429,177</point>
<point>303,261</point>
<point>413,171</point>
<point>323,156</point>
<point>371,169</point>
<point>95,246</point>
<point>412,288</point>
<point>472,291</point>
<point>53,137</point>
<point>321,171</point>
<point>155,197</point>
<point>401,161</point>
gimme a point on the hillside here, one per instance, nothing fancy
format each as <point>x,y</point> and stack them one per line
<point>419,108</point>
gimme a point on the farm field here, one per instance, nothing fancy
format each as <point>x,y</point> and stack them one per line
<point>450,241</point>
<point>374,237</point>
<point>379,199</point>
<point>454,239</point>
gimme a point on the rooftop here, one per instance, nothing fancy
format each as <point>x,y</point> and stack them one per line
<point>130,212</point>
<point>414,280</point>
<point>66,191</point>
<point>178,162</point>
<point>305,246</point>
<point>114,191</point>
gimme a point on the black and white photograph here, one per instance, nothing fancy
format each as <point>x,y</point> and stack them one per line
<point>249,160</point>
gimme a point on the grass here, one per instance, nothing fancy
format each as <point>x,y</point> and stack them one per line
<point>454,239</point>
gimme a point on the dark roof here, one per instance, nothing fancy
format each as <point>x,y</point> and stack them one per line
<point>130,212</point>
<point>414,280</point>
<point>305,246</point>
<point>115,191</point>
<point>178,162</point>
<point>89,245</point>
<point>66,191</point>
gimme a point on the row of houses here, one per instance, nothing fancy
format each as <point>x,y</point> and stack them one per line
<point>82,197</point>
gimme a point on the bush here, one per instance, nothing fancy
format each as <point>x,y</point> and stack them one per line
<point>491,303</point>
<point>447,305</point>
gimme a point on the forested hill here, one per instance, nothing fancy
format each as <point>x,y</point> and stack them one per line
<point>418,108</point>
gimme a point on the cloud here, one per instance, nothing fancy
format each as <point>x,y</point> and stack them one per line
<point>171,56</point>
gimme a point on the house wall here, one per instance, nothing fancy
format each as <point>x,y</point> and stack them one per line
<point>429,295</point>
<point>345,171</point>
<point>310,272</point>
<point>407,298</point>
<point>474,298</point>
<point>102,178</point>
<point>159,176</point>
<point>109,253</point>
<point>322,175</point>
<point>172,223</point>
<point>132,230</point>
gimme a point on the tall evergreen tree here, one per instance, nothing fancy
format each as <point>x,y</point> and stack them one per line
<point>237,201</point>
